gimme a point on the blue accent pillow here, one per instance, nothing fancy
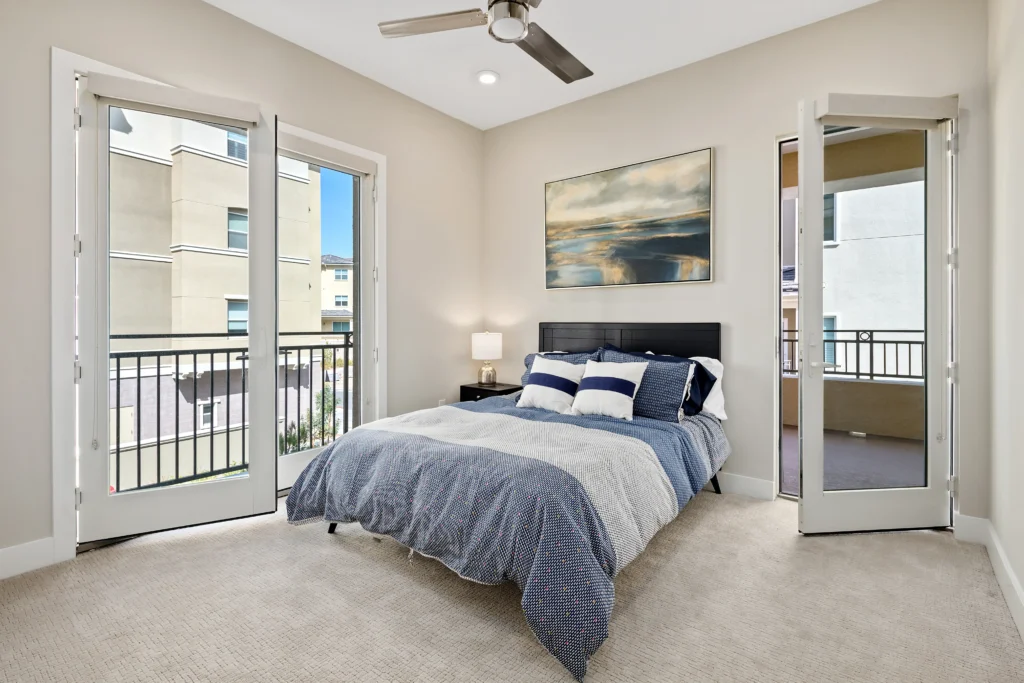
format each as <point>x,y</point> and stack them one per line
<point>657,399</point>
<point>700,389</point>
<point>579,358</point>
<point>662,388</point>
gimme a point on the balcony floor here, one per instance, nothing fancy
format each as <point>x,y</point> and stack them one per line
<point>857,463</point>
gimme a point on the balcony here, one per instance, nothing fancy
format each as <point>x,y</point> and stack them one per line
<point>874,410</point>
<point>179,414</point>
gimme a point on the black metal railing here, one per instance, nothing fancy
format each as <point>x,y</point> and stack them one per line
<point>863,354</point>
<point>188,408</point>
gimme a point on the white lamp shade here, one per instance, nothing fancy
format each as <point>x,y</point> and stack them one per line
<point>487,346</point>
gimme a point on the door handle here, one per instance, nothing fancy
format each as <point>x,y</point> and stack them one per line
<point>819,364</point>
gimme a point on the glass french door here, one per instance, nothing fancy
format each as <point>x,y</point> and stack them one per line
<point>326,207</point>
<point>177,309</point>
<point>874,312</point>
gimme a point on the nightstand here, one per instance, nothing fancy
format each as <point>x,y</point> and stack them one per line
<point>476,392</point>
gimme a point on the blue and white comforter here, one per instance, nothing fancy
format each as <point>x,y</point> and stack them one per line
<point>557,503</point>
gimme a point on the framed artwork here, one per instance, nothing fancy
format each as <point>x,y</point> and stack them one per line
<point>649,223</point>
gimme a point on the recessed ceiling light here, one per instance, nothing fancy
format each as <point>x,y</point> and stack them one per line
<point>488,77</point>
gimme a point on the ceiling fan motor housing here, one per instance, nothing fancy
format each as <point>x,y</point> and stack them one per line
<point>509,20</point>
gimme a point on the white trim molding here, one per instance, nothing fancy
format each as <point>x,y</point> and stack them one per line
<point>761,489</point>
<point>238,253</point>
<point>137,256</point>
<point>19,559</point>
<point>979,530</point>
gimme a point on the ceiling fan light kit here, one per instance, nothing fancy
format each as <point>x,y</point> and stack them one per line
<point>507,21</point>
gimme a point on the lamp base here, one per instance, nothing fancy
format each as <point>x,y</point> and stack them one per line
<point>487,376</point>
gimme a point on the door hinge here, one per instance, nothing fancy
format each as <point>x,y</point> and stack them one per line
<point>375,354</point>
<point>78,499</point>
<point>953,372</point>
<point>78,119</point>
<point>375,190</point>
<point>953,258</point>
<point>78,245</point>
<point>954,486</point>
<point>953,144</point>
<point>78,372</point>
<point>375,273</point>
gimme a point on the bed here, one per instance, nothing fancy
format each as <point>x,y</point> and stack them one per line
<point>559,504</point>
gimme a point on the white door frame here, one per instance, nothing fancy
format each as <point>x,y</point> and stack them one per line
<point>929,506</point>
<point>371,169</point>
<point>64,67</point>
<point>109,516</point>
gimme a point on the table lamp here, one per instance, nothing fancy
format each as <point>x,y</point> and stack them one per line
<point>487,347</point>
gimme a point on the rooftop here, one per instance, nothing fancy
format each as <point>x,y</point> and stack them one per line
<point>332,260</point>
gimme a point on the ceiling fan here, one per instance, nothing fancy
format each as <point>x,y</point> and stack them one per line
<point>508,21</point>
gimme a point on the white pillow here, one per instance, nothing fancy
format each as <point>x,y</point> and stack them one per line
<point>715,402</point>
<point>608,389</point>
<point>552,385</point>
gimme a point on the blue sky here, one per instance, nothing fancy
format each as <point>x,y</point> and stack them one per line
<point>335,213</point>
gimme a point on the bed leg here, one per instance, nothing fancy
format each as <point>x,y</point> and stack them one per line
<point>332,527</point>
<point>714,484</point>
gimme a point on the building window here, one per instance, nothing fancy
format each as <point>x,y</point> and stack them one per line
<point>238,317</point>
<point>341,300</point>
<point>207,414</point>
<point>829,338</point>
<point>341,327</point>
<point>238,145</point>
<point>340,273</point>
<point>830,219</point>
<point>238,229</point>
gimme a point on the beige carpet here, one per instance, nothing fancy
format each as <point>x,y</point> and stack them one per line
<point>727,592</point>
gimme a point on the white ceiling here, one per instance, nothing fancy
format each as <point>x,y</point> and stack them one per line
<point>622,41</point>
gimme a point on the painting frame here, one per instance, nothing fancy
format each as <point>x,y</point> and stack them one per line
<point>711,223</point>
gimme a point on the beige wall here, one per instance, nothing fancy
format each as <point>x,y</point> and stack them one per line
<point>865,157</point>
<point>434,186</point>
<point>872,407</point>
<point>1007,82</point>
<point>738,103</point>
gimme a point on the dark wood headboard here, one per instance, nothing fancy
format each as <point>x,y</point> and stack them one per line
<point>677,339</point>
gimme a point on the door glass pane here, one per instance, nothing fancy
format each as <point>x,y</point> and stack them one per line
<point>874,305</point>
<point>318,300</point>
<point>178,206</point>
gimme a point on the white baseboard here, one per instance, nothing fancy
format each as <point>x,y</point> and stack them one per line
<point>762,489</point>
<point>23,558</point>
<point>980,530</point>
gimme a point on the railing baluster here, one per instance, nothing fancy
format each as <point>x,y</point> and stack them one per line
<point>323,418</point>
<point>334,393</point>
<point>158,387</point>
<point>195,413</point>
<point>344,389</point>
<point>227,411</point>
<point>286,447</point>
<point>311,398</point>
<point>244,357</point>
<point>871,356</point>
<point>213,410</point>
<point>177,414</point>
<point>117,426</point>
<point>138,421</point>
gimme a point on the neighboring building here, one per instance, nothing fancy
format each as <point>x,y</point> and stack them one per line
<point>873,263</point>
<point>337,276</point>
<point>179,237</point>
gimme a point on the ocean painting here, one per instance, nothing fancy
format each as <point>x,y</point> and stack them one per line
<point>642,224</point>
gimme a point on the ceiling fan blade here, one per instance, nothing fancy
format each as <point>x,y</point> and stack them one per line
<point>534,3</point>
<point>549,52</point>
<point>432,24</point>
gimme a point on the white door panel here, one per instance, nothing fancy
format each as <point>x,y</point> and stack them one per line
<point>855,358</point>
<point>202,446</point>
